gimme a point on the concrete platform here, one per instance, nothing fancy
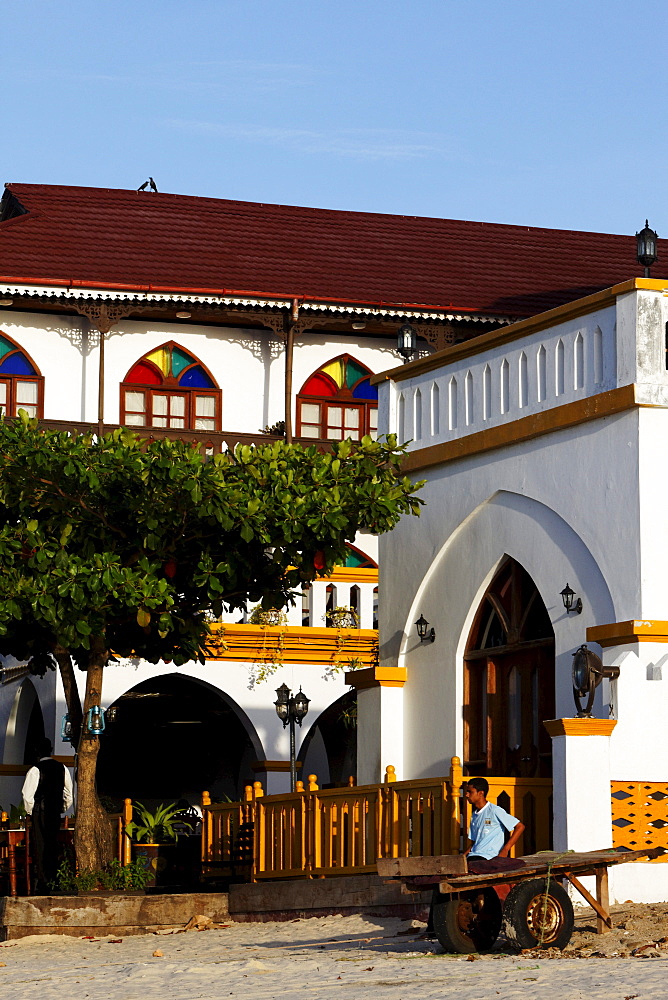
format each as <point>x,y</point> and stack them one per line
<point>78,916</point>
<point>286,900</point>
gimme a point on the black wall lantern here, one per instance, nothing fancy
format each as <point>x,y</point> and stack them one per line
<point>407,342</point>
<point>425,633</point>
<point>567,596</point>
<point>646,247</point>
<point>588,672</point>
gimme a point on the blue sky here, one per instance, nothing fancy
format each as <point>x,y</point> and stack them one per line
<point>537,113</point>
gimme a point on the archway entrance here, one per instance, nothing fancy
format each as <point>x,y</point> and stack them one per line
<point>509,680</point>
<point>25,728</point>
<point>172,738</point>
<point>330,747</point>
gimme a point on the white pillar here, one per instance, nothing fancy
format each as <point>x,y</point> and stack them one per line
<point>581,783</point>
<point>294,612</point>
<point>318,603</point>
<point>342,595</point>
<point>380,722</point>
<point>366,604</point>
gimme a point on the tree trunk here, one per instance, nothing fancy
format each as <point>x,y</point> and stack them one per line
<point>72,699</point>
<point>93,839</point>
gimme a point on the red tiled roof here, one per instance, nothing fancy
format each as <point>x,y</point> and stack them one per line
<point>118,237</point>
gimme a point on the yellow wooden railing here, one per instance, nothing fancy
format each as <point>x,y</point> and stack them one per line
<point>119,821</point>
<point>312,833</point>
<point>639,810</point>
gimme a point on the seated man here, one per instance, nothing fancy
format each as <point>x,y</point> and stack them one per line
<point>489,824</point>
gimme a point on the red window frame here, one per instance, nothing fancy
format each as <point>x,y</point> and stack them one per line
<point>341,399</point>
<point>188,394</point>
<point>11,407</point>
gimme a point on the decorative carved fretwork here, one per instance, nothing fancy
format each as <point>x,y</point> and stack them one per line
<point>273,320</point>
<point>440,336</point>
<point>104,315</point>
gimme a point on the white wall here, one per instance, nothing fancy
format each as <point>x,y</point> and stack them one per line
<point>583,505</point>
<point>248,364</point>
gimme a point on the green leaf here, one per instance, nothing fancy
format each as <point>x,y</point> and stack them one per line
<point>143,617</point>
<point>32,525</point>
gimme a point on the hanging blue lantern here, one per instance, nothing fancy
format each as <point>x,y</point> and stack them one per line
<point>66,729</point>
<point>95,721</point>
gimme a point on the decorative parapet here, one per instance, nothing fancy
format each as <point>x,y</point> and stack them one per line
<point>597,356</point>
<point>293,644</point>
<point>622,633</point>
<point>579,727</point>
<point>639,815</point>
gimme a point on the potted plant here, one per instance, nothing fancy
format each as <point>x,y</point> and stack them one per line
<point>154,835</point>
<point>270,617</point>
<point>342,616</point>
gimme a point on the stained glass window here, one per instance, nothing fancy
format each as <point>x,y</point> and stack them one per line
<point>170,388</point>
<point>21,385</point>
<point>356,559</point>
<point>337,402</point>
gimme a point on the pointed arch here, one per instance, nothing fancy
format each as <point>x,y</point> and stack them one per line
<point>338,401</point>
<point>21,382</point>
<point>175,734</point>
<point>357,559</point>
<point>170,387</point>
<point>509,679</point>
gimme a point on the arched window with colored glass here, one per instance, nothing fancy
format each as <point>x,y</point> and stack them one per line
<point>170,388</point>
<point>337,402</point>
<point>21,385</point>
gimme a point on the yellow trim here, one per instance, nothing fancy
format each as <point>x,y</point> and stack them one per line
<point>377,677</point>
<point>292,644</point>
<point>621,633</point>
<point>273,765</point>
<point>580,727</point>
<point>352,574</point>
<point>525,429</point>
<point>495,338</point>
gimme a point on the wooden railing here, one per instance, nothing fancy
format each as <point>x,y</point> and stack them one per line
<point>208,442</point>
<point>123,843</point>
<point>312,833</point>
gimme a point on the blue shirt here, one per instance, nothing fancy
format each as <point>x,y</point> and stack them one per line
<point>486,830</point>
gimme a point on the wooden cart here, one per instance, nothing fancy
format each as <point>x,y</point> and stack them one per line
<point>530,903</point>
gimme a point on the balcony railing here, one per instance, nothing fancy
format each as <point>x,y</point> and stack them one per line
<point>209,442</point>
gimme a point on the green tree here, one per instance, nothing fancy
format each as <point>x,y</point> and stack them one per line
<point>116,546</point>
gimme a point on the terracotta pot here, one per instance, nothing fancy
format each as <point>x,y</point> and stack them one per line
<point>158,859</point>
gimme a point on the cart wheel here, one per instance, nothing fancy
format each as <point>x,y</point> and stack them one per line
<point>537,917</point>
<point>467,921</point>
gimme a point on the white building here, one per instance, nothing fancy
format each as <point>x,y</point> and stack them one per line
<point>209,320</point>
<point>542,449</point>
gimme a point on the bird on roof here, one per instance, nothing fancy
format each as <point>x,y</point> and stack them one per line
<point>150,183</point>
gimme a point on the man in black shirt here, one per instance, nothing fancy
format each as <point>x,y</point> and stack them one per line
<point>47,792</point>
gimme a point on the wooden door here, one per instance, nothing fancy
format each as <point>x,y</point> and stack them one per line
<point>509,681</point>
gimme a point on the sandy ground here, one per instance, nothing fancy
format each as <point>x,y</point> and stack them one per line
<point>342,957</point>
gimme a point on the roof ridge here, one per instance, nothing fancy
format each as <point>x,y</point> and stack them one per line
<point>342,212</point>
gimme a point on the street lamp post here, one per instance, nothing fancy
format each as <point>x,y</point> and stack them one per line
<point>291,709</point>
